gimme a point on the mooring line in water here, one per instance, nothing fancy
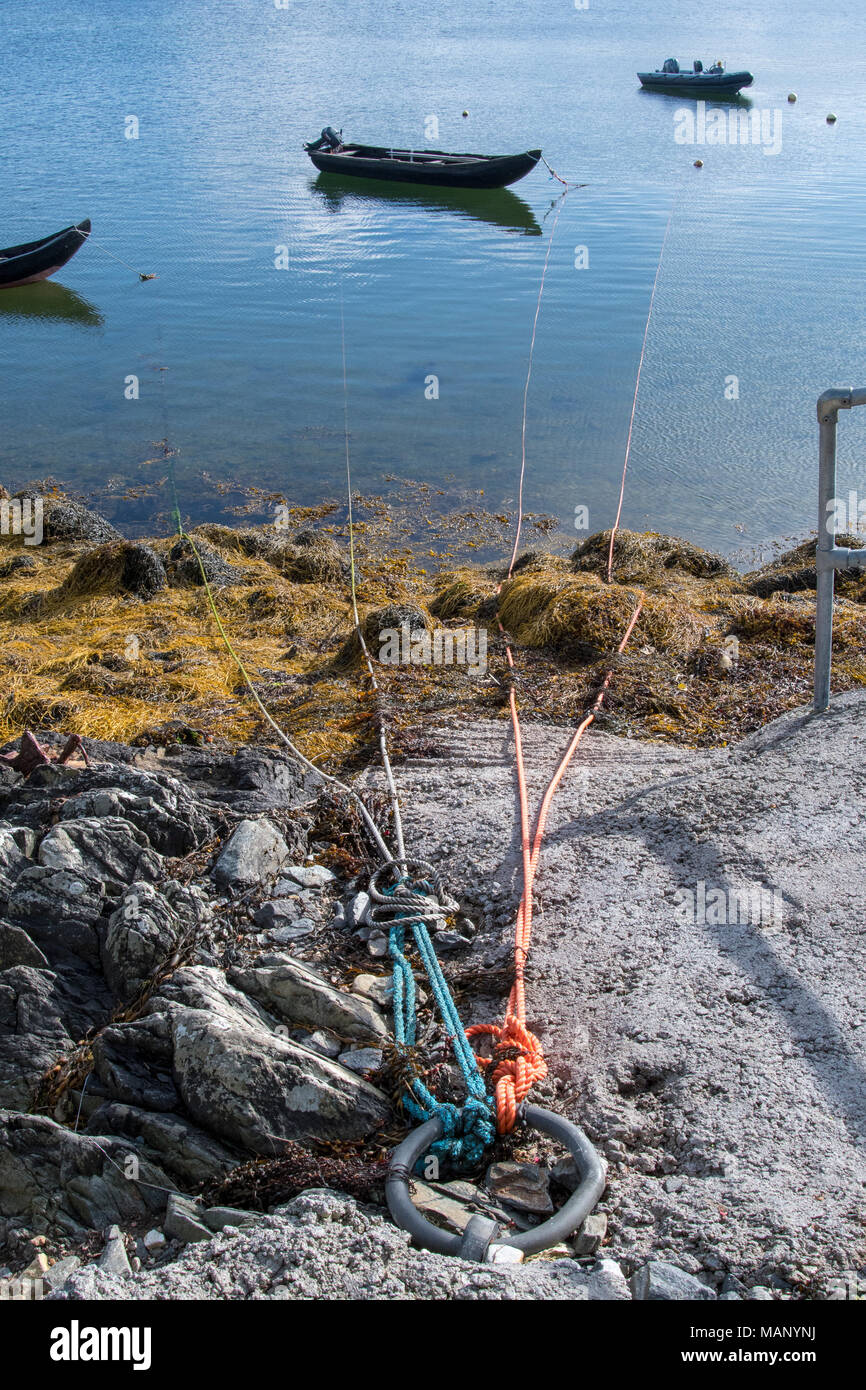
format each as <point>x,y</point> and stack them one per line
<point>105,251</point>
<point>526,386</point>
<point>380,716</point>
<point>615,526</point>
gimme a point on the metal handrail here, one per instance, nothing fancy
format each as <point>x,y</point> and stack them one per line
<point>829,557</point>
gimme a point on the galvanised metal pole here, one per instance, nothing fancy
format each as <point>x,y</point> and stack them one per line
<point>828,556</point>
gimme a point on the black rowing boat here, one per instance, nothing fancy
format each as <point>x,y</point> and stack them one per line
<point>434,168</point>
<point>36,260</point>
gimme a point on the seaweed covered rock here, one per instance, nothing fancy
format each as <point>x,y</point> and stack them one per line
<point>123,568</point>
<point>795,571</point>
<point>384,620</point>
<point>184,566</point>
<point>644,557</point>
<point>65,520</point>
<point>310,557</point>
<point>462,596</point>
<point>581,617</point>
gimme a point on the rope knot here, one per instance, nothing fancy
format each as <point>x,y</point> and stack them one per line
<point>517,1063</point>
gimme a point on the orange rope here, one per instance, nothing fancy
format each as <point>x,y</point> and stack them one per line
<point>518,1059</point>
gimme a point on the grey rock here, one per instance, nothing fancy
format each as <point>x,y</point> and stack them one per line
<point>309,875</point>
<point>759,1294</point>
<point>113,1257</point>
<point>163,810</point>
<point>377,945</point>
<point>154,1241</point>
<point>449,941</point>
<point>362,1060</point>
<point>607,1281</point>
<point>300,995</point>
<point>521,1185</point>
<point>657,1281</point>
<point>287,888</point>
<point>248,1084</point>
<point>378,988</point>
<point>187,1153</point>
<point>17,948</point>
<point>279,912</point>
<point>74,1180</point>
<point>590,1235</point>
<point>253,854</point>
<point>731,1284</point>
<point>57,1274</point>
<point>142,933</point>
<point>730,1297</point>
<point>294,931</point>
<point>182,1220</point>
<point>322,1042</point>
<point>133,1064</point>
<point>102,850</point>
<point>356,911</point>
<point>59,909</point>
<point>40,1016</point>
<point>216,1218</point>
<point>13,861</point>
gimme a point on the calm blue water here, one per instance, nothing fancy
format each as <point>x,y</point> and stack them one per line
<point>763,274</point>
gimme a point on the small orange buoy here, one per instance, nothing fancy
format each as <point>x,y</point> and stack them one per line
<point>831,119</point>
<point>699,164</point>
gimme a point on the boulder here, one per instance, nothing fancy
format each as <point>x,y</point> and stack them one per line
<point>189,1155</point>
<point>301,996</point>
<point>254,854</point>
<point>142,933</point>
<point>245,1082</point>
<point>103,849</point>
<point>59,909</point>
<point>49,1174</point>
<point>171,819</point>
<point>17,948</point>
<point>13,861</point>
<point>657,1281</point>
<point>42,1014</point>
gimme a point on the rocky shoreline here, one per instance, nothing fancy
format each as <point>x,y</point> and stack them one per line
<point>197,1088</point>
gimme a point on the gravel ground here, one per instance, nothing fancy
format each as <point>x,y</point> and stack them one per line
<point>324,1246</point>
<point>718,1063</point>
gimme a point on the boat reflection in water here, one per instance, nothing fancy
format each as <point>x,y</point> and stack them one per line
<point>497,206</point>
<point>50,301</point>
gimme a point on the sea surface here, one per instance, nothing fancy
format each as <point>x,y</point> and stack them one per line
<point>233,354</point>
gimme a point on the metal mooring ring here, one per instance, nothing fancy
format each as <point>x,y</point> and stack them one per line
<point>563,1224</point>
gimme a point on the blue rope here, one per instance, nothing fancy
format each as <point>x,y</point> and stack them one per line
<point>468,1129</point>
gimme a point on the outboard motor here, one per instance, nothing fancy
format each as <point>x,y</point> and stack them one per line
<point>698,65</point>
<point>671,65</point>
<point>328,140</point>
